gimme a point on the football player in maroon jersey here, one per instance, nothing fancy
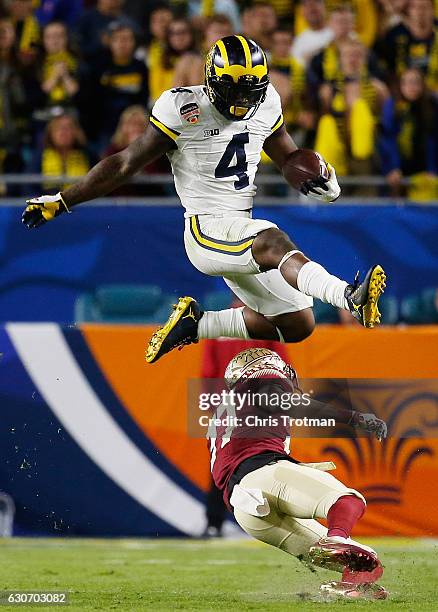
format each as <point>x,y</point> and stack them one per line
<point>274,497</point>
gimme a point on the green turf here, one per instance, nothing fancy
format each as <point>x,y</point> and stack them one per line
<point>197,575</point>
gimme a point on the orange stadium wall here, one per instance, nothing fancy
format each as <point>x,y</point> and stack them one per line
<point>397,478</point>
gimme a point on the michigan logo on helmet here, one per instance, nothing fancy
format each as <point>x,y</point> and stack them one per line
<point>236,76</point>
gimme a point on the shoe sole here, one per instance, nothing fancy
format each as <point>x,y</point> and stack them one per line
<point>376,286</point>
<point>355,560</point>
<point>158,337</point>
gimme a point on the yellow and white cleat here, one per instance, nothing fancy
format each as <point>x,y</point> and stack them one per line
<point>181,328</point>
<point>362,298</point>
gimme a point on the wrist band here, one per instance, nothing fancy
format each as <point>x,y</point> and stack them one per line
<point>65,205</point>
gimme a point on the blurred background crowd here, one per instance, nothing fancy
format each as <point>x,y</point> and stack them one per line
<point>358,80</point>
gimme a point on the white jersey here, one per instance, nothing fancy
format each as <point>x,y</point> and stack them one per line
<point>215,160</point>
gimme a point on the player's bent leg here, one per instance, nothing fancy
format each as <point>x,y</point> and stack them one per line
<point>298,537</point>
<point>288,327</point>
<point>273,249</point>
<point>298,490</point>
<point>187,324</point>
<point>275,310</point>
<point>294,536</point>
<point>294,326</point>
<point>304,492</point>
<point>259,327</point>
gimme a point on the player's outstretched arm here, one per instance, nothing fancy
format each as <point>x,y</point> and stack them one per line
<point>279,146</point>
<point>107,175</point>
<point>367,422</point>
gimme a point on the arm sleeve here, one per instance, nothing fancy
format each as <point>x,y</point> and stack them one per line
<point>165,117</point>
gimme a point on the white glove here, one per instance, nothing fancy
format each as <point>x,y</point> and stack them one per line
<point>369,422</point>
<point>323,189</point>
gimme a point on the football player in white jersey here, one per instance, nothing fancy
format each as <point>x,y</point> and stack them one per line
<point>214,136</point>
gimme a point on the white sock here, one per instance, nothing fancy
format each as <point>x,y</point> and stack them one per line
<point>218,323</point>
<point>314,280</point>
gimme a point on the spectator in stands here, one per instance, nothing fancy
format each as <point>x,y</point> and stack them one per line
<point>132,124</point>
<point>285,11</point>
<point>140,12</point>
<point>391,14</point>
<point>189,69</point>
<point>325,65</point>
<point>365,16</point>
<point>413,43</point>
<point>67,11</point>
<point>58,67</point>
<point>27,30</point>
<point>258,23</point>
<point>342,23</point>
<point>64,152</point>
<point>289,78</point>
<point>408,143</point>
<point>180,39</point>
<point>316,37</point>
<point>207,10</point>
<point>122,80</point>
<point>13,105</point>
<point>351,102</point>
<point>159,21</point>
<point>93,25</point>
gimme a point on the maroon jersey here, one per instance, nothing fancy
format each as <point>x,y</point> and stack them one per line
<point>235,435</point>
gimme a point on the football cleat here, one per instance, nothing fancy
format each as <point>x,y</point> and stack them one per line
<point>354,577</point>
<point>362,298</point>
<point>347,590</point>
<point>337,554</point>
<point>180,329</point>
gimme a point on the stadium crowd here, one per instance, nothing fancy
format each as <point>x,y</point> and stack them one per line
<point>358,79</point>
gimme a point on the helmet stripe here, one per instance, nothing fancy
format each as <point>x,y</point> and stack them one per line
<point>235,51</point>
<point>223,51</point>
<point>258,56</point>
<point>247,51</point>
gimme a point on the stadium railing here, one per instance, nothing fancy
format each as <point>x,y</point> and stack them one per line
<point>28,181</point>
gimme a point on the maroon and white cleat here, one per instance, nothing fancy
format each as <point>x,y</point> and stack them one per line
<point>353,577</point>
<point>348,590</point>
<point>339,554</point>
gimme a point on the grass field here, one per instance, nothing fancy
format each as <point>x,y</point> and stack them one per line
<point>204,575</point>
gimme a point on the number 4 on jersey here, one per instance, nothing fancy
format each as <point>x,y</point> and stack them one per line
<point>236,146</point>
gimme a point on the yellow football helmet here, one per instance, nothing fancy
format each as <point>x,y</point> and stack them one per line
<point>236,77</point>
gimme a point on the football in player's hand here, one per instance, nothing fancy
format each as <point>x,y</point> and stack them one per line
<point>304,165</point>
